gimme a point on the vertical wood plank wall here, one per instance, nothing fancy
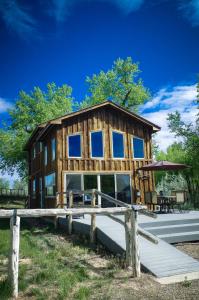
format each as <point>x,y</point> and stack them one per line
<point>97,119</point>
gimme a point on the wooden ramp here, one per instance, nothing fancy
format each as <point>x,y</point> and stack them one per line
<point>163,260</point>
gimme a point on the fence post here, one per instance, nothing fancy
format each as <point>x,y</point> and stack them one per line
<point>14,255</point>
<point>135,244</point>
<point>93,220</point>
<point>128,237</point>
<point>70,217</point>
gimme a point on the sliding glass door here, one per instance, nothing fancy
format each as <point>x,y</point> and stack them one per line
<point>107,187</point>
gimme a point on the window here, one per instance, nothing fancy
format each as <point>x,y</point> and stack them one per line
<point>34,187</point>
<point>123,187</point>
<point>97,144</point>
<point>53,148</point>
<point>45,155</point>
<point>40,146</point>
<point>118,144</point>
<point>74,182</point>
<point>74,145</point>
<point>138,147</point>
<point>34,152</point>
<point>50,184</point>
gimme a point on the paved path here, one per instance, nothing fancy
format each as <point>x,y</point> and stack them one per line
<point>164,261</point>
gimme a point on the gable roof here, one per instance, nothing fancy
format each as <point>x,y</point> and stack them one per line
<point>42,128</point>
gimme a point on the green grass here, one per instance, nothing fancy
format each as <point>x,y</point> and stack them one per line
<point>51,267</point>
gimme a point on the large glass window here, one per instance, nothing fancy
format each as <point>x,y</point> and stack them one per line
<point>118,144</point>
<point>74,182</point>
<point>74,145</point>
<point>97,144</point>
<point>34,151</point>
<point>45,155</point>
<point>53,148</point>
<point>123,187</point>
<point>138,147</point>
<point>50,184</point>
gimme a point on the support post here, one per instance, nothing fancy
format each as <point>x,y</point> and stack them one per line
<point>93,220</point>
<point>128,237</point>
<point>14,255</point>
<point>135,244</point>
<point>70,217</point>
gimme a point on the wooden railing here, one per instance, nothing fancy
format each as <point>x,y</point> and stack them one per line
<point>130,224</point>
<point>13,192</point>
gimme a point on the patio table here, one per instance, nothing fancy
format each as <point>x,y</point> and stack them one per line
<point>166,202</point>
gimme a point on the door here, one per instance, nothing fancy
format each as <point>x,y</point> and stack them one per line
<point>123,188</point>
<point>107,187</point>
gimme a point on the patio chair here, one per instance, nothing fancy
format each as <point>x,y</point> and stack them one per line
<point>180,200</point>
<point>151,199</point>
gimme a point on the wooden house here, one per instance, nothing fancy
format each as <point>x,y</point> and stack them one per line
<point>98,147</point>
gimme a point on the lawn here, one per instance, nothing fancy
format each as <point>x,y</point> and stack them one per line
<point>55,266</point>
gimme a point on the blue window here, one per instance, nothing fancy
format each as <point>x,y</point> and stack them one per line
<point>118,144</point>
<point>97,144</point>
<point>74,145</point>
<point>138,148</point>
<point>53,148</point>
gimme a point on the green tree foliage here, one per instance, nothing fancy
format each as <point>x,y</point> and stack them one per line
<point>29,110</point>
<point>20,184</point>
<point>188,150</point>
<point>4,183</point>
<point>121,84</point>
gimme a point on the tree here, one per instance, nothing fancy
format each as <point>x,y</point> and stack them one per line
<point>120,84</point>
<point>19,184</point>
<point>4,183</point>
<point>189,149</point>
<point>29,110</point>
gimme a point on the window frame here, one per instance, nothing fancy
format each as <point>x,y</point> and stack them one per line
<point>73,134</point>
<point>34,152</point>
<point>123,134</point>
<point>132,147</point>
<point>53,157</point>
<point>45,194</point>
<point>103,145</point>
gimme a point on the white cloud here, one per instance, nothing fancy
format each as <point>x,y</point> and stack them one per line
<point>180,98</point>
<point>17,17</point>
<point>4,105</point>
<point>190,9</point>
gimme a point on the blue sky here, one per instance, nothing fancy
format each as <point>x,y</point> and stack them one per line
<point>66,40</point>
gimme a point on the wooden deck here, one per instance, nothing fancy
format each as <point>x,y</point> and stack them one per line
<point>163,260</point>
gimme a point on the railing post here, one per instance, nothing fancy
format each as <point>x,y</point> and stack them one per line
<point>93,220</point>
<point>14,255</point>
<point>135,244</point>
<point>128,238</point>
<point>70,217</point>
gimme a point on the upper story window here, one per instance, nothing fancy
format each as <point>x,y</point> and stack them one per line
<point>97,147</point>
<point>74,145</point>
<point>53,148</point>
<point>138,147</point>
<point>50,184</point>
<point>34,187</point>
<point>45,155</point>
<point>40,146</point>
<point>118,144</point>
<point>34,151</point>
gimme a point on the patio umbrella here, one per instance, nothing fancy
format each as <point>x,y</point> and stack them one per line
<point>163,165</point>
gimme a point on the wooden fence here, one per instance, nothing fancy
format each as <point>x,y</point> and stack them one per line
<point>130,224</point>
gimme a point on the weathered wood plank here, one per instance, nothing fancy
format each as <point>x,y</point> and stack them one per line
<point>14,255</point>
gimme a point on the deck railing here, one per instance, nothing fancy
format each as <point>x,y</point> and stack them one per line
<point>13,192</point>
<point>130,223</point>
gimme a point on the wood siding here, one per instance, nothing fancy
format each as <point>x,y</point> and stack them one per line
<point>106,120</point>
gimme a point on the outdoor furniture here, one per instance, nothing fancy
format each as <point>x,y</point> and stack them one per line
<point>180,199</point>
<point>166,203</point>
